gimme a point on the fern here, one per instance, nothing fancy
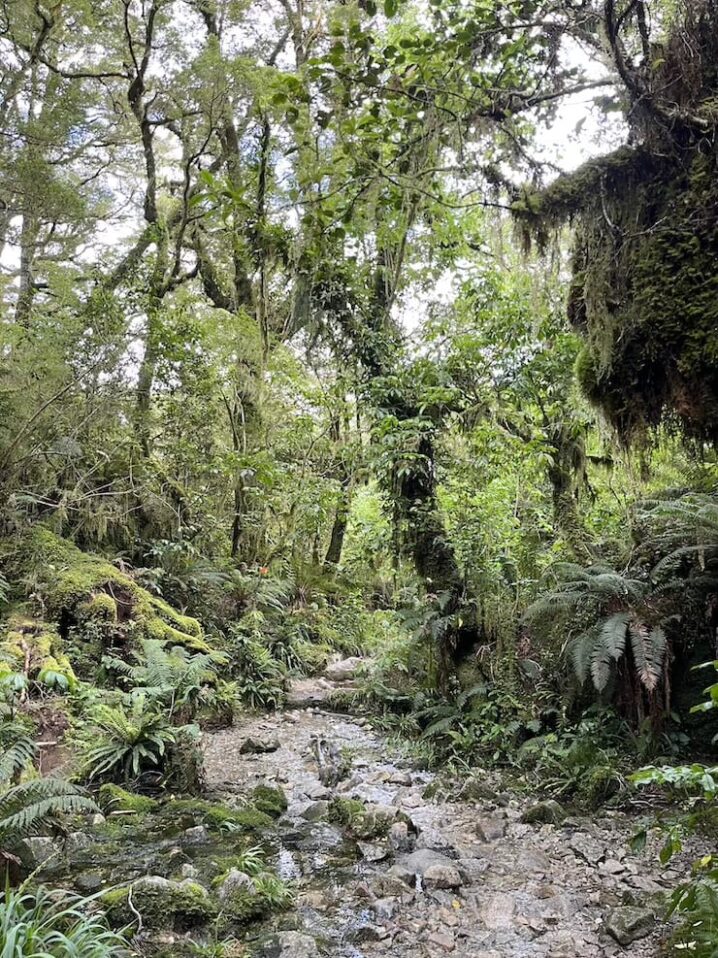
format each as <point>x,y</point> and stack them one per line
<point>609,647</point>
<point>649,651</point>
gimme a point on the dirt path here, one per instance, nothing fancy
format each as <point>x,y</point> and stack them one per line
<point>463,878</point>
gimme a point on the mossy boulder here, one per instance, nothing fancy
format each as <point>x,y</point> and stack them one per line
<point>162,903</point>
<point>271,801</point>
<point>79,588</point>
<point>112,798</point>
<point>181,814</point>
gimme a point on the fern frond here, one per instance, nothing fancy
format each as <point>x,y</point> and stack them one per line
<point>649,650</point>
<point>610,645</point>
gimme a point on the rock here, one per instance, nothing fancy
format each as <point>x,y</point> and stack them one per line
<point>549,812</point>
<point>442,876</point>
<point>87,883</point>
<point>392,885</point>
<point>384,907</point>
<point>198,835</point>
<point>442,940</point>
<point>400,838</point>
<point>418,862</point>
<point>258,746</point>
<point>315,811</point>
<point>76,842</point>
<point>587,848</point>
<point>499,911</point>
<point>290,944</point>
<point>36,851</point>
<point>372,851</point>
<point>271,801</point>
<point>611,867</point>
<point>400,778</point>
<point>370,933</point>
<point>491,829</point>
<point>188,870</point>
<point>113,798</point>
<point>235,881</point>
<point>344,670</point>
<point>161,902</point>
<point>629,923</point>
<point>474,868</point>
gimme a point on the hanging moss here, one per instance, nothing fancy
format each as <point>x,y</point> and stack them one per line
<point>78,588</point>
<point>644,289</point>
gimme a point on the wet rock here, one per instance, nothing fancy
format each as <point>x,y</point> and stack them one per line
<point>290,944</point>
<point>419,861</point>
<point>372,851</point>
<point>76,842</point>
<point>442,876</point>
<point>258,746</point>
<point>400,838</point>
<point>400,777</point>
<point>490,829</point>
<point>198,835</point>
<point>344,670</point>
<point>370,932</point>
<point>36,851</point>
<point>384,907</point>
<point>549,812</point>
<point>315,811</point>
<point>629,923</point>
<point>87,883</point>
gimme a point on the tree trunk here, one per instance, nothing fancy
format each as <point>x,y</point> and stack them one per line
<point>339,527</point>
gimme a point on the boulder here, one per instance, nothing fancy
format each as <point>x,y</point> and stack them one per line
<point>258,746</point>
<point>442,876</point>
<point>490,829</point>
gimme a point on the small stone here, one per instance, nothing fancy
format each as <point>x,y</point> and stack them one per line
<point>293,944</point>
<point>87,883</point>
<point>549,812</point>
<point>490,829</point>
<point>315,811</point>
<point>400,838</point>
<point>370,933</point>
<point>36,851</point>
<point>372,851</point>
<point>442,876</point>
<point>76,842</point>
<point>384,907</point>
<point>198,835</point>
<point>442,940</point>
<point>629,923</point>
<point>400,778</point>
<point>611,867</point>
<point>258,746</point>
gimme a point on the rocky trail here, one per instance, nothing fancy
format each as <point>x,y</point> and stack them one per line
<point>417,875</point>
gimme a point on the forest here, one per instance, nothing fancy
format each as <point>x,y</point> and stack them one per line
<point>358,478</point>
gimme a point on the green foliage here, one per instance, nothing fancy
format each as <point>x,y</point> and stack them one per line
<point>55,923</point>
<point>124,741</point>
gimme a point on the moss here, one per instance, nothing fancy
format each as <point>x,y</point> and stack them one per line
<point>161,903</point>
<point>185,813</point>
<point>243,899</point>
<point>271,801</point>
<point>80,587</point>
<point>112,798</point>
<point>360,821</point>
<point>644,289</point>
<point>35,646</point>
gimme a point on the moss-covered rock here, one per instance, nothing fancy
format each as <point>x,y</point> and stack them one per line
<point>243,899</point>
<point>181,814</point>
<point>363,821</point>
<point>271,801</point>
<point>35,647</point>
<point>161,903</point>
<point>78,587</point>
<point>112,798</point>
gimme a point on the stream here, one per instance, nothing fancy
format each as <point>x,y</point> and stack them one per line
<point>467,878</point>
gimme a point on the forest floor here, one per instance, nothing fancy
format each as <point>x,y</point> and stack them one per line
<point>461,877</point>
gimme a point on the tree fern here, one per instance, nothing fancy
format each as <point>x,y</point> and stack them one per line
<point>30,808</point>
